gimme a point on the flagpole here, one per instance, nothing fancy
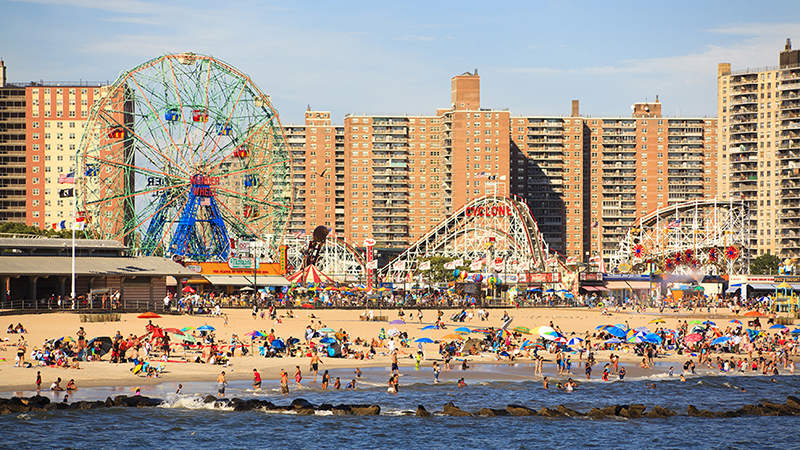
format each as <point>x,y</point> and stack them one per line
<point>72,291</point>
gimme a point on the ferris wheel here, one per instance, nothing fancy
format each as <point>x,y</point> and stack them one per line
<point>182,156</point>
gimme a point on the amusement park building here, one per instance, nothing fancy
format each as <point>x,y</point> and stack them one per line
<point>759,125</point>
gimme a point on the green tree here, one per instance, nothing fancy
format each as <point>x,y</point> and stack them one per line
<point>438,274</point>
<point>9,228</point>
<point>765,264</point>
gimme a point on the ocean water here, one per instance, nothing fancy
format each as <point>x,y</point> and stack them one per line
<point>184,421</point>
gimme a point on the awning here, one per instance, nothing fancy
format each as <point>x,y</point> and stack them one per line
<point>762,286</point>
<point>613,285</point>
<point>594,288</point>
<point>228,280</point>
<point>731,290</point>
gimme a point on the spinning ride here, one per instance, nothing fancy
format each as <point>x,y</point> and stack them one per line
<point>181,156</point>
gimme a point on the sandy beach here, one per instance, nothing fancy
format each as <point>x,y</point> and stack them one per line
<point>42,327</point>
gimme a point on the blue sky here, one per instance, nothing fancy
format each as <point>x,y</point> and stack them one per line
<point>384,57</point>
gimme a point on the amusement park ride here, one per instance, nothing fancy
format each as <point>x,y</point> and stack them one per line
<point>183,156</point>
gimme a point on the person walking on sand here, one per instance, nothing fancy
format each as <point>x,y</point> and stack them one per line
<point>298,376</point>
<point>284,382</point>
<point>315,361</point>
<point>38,381</point>
<point>256,379</point>
<point>221,383</point>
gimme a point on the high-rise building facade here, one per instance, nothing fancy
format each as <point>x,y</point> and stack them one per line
<point>759,130</point>
<point>12,150</point>
<point>56,115</point>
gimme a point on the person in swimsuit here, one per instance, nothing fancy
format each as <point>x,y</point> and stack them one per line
<point>221,383</point>
<point>315,360</point>
<point>284,382</point>
<point>256,379</point>
<point>298,376</point>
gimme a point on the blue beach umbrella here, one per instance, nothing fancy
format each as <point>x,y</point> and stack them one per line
<point>574,341</point>
<point>327,340</point>
<point>778,326</point>
<point>615,331</point>
<point>463,330</point>
<point>277,343</point>
<point>429,327</point>
<point>613,341</point>
<point>652,338</point>
<point>720,340</point>
<point>424,341</point>
<point>205,328</point>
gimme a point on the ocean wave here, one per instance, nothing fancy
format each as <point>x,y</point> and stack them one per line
<point>194,402</point>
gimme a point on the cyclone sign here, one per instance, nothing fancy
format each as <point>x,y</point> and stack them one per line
<point>488,211</point>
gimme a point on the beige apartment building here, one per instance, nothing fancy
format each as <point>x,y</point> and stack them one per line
<point>758,112</point>
<point>56,114</point>
<point>12,150</point>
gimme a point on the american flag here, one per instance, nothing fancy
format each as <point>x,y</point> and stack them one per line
<point>674,224</point>
<point>481,175</point>
<point>595,224</point>
<point>68,178</point>
<point>299,234</point>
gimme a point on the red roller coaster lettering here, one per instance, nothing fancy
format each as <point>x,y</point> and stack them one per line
<point>486,211</point>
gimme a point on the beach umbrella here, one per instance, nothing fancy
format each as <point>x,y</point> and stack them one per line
<point>255,334</point>
<point>796,331</point>
<point>542,331</point>
<point>642,329</point>
<point>205,328</point>
<point>277,343</point>
<point>397,322</point>
<point>653,338</point>
<point>188,289</point>
<point>173,330</point>
<point>659,320</point>
<point>613,341</point>
<point>694,337</point>
<point>429,327</point>
<point>695,321</point>
<point>453,336</point>
<point>424,341</point>
<point>463,330</point>
<point>327,330</point>
<point>307,306</point>
<point>720,340</point>
<point>621,326</point>
<point>148,315</point>
<point>755,314</point>
<point>522,330</point>
<point>186,338</point>
<point>293,341</point>
<point>737,322</point>
<point>187,328</point>
<point>330,340</point>
<point>603,327</point>
<point>105,344</point>
<point>637,338</point>
<point>482,330</point>
<point>778,326</point>
<point>66,339</point>
<point>698,329</point>
<point>709,323</point>
<point>574,341</point>
<point>616,332</point>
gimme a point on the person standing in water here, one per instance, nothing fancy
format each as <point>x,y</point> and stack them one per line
<point>284,382</point>
<point>221,383</point>
<point>298,376</point>
<point>256,379</point>
<point>435,372</point>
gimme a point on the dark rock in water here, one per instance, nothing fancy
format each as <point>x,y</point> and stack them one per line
<point>774,409</point>
<point>38,400</point>
<point>549,412</point>
<point>519,411</point>
<point>793,403</point>
<point>453,410</point>
<point>305,411</point>
<point>16,405</point>
<point>341,410</point>
<point>109,402</point>
<point>659,412</point>
<point>729,414</point>
<point>209,399</point>
<point>694,412</point>
<point>55,406</point>
<point>300,403</point>
<point>632,411</point>
<point>493,412</point>
<point>596,413</point>
<point>422,412</point>
<point>87,405</point>
<point>612,410</point>
<point>250,405</point>
<point>365,410</point>
<point>223,403</point>
<point>568,412</point>
<point>639,408</point>
<point>325,407</point>
<point>120,400</point>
